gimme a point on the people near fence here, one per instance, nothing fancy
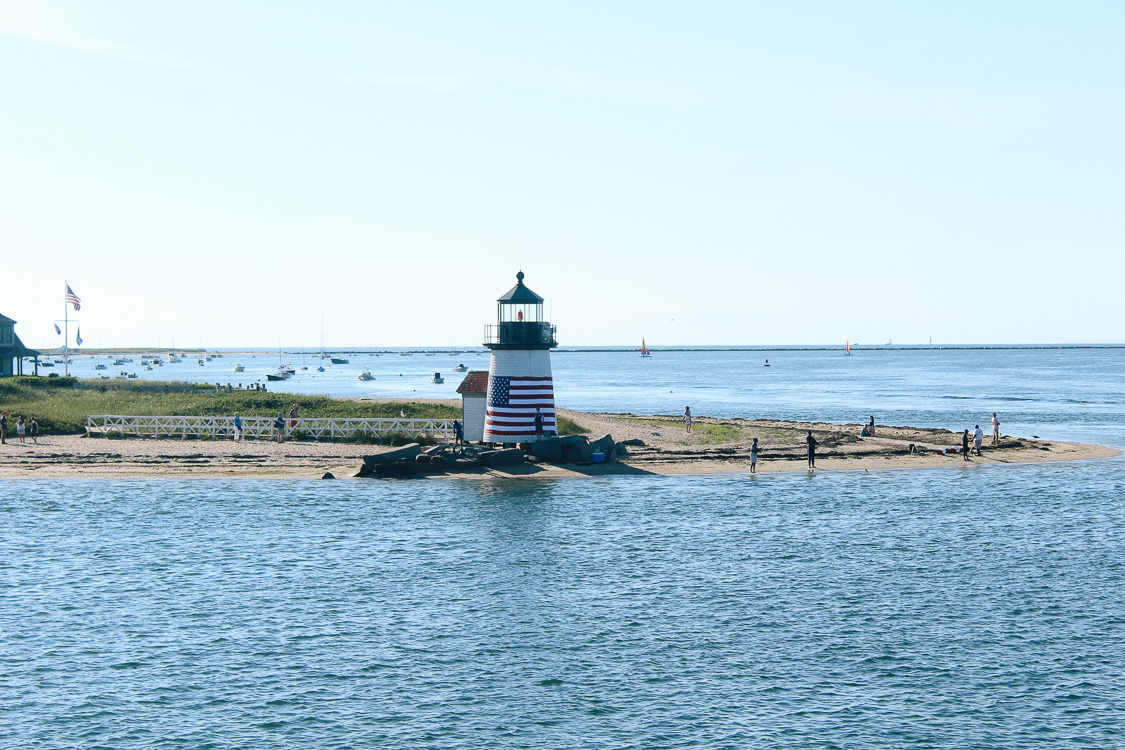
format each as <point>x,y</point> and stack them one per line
<point>293,418</point>
<point>458,435</point>
<point>237,427</point>
<point>279,425</point>
<point>34,430</point>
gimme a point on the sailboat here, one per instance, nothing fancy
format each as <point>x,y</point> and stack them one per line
<point>848,348</point>
<point>644,349</point>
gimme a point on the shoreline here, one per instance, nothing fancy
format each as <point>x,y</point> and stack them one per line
<point>715,447</point>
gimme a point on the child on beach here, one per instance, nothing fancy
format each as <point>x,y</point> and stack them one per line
<point>754,457</point>
<point>687,417</point>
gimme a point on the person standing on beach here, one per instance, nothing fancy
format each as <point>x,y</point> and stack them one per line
<point>538,424</point>
<point>687,417</point>
<point>754,457</point>
<point>812,450</point>
<point>965,443</point>
<point>995,429</point>
<point>34,431</point>
<point>20,428</point>
<point>4,428</point>
<point>871,426</point>
<point>237,427</point>
<point>458,435</point>
<point>279,423</point>
<point>978,438</point>
<point>293,418</point>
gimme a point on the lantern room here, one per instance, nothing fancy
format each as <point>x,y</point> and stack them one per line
<point>520,323</point>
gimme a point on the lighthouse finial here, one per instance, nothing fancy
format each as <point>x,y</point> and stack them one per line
<point>519,278</point>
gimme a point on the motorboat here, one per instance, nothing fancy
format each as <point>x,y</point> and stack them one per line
<point>238,368</point>
<point>99,366</point>
<point>48,363</point>
<point>320,369</point>
<point>338,360</point>
<point>279,374</point>
<point>437,378</point>
<point>460,368</point>
<point>365,373</point>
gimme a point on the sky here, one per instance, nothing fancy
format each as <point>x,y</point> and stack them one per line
<point>233,174</point>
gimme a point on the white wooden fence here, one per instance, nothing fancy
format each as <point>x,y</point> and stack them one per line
<point>263,427</point>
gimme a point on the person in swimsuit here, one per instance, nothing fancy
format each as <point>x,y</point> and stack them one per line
<point>812,450</point>
<point>687,417</point>
<point>995,429</point>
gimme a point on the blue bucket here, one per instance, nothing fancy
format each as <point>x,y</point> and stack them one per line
<point>598,457</point>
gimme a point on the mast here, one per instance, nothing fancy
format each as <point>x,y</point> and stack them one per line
<point>66,329</point>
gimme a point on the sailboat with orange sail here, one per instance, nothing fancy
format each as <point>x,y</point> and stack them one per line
<point>644,349</point>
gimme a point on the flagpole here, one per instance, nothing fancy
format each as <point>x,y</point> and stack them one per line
<point>66,329</point>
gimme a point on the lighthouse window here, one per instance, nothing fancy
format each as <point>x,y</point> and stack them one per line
<point>523,313</point>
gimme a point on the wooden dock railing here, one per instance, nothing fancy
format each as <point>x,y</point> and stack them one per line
<point>263,427</point>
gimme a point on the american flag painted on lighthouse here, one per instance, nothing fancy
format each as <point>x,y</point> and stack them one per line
<point>511,403</point>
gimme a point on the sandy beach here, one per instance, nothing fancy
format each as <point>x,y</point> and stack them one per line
<point>715,446</point>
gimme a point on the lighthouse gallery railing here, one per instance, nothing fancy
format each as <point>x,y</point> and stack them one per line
<point>263,427</point>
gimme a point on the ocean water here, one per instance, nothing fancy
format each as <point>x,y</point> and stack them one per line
<point>973,607</point>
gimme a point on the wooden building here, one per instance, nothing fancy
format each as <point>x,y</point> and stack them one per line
<point>12,350</point>
<point>473,390</point>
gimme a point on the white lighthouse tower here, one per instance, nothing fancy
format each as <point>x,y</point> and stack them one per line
<point>519,376</point>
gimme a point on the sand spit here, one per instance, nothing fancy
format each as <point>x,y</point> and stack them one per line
<point>715,446</point>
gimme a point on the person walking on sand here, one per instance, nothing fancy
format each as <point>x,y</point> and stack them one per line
<point>237,428</point>
<point>279,423</point>
<point>34,431</point>
<point>538,424</point>
<point>812,450</point>
<point>995,429</point>
<point>687,417</point>
<point>754,457</point>
<point>20,428</point>
<point>978,438</point>
<point>965,443</point>
<point>4,428</point>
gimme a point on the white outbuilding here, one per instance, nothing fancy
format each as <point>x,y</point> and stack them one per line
<point>474,390</point>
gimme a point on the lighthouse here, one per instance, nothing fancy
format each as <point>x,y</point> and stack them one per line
<point>519,375</point>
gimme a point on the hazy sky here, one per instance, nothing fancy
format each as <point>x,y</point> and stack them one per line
<point>693,173</point>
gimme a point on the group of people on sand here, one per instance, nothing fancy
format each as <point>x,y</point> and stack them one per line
<point>868,431</point>
<point>978,437</point>
<point>24,428</point>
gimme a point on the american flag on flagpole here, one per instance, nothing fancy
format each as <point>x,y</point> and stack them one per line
<point>72,298</point>
<point>511,404</point>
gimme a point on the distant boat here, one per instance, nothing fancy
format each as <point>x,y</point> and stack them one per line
<point>47,363</point>
<point>848,348</point>
<point>437,378</point>
<point>338,360</point>
<point>320,369</point>
<point>99,366</point>
<point>644,349</point>
<point>238,368</point>
<point>460,368</point>
<point>767,364</point>
<point>365,373</point>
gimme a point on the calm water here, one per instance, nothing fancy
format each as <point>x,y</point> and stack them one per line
<point>962,608</point>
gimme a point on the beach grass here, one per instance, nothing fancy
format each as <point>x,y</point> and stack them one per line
<point>63,410</point>
<point>569,426</point>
